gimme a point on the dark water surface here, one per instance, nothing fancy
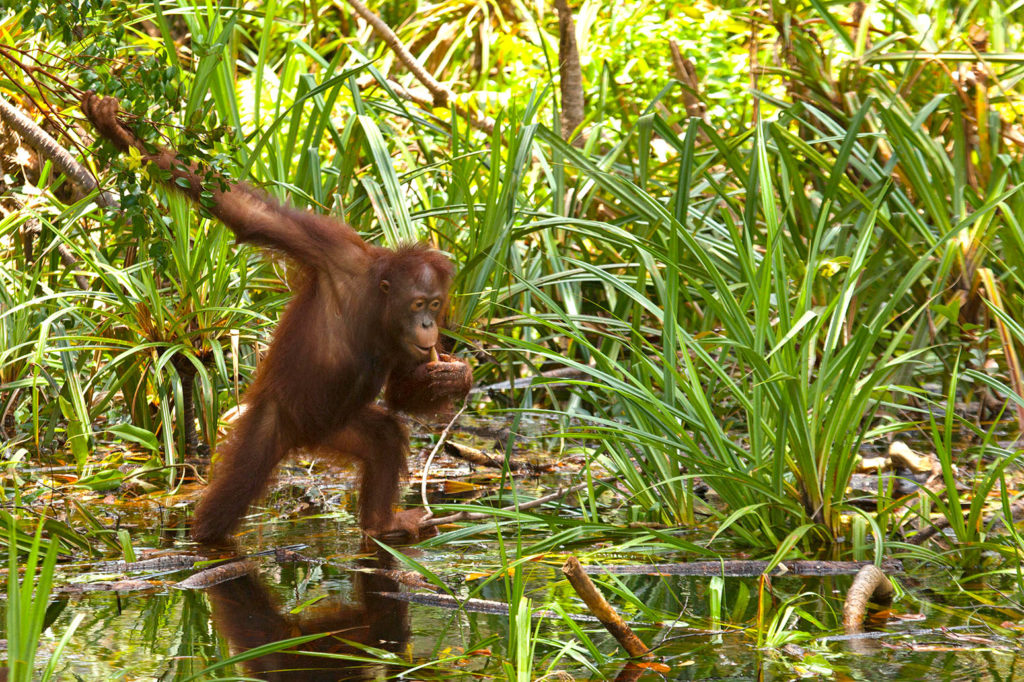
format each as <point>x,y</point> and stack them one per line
<point>171,634</point>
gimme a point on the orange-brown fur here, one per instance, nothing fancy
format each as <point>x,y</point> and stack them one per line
<point>344,337</point>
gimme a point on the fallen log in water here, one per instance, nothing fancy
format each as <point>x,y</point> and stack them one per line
<point>743,568</point>
<point>481,458</point>
<point>216,575</point>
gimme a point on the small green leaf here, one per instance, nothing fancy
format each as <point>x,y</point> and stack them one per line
<point>950,311</point>
<point>126,545</point>
<point>78,435</point>
<point>102,481</point>
<point>136,434</point>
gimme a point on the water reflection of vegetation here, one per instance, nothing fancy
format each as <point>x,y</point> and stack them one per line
<point>735,627</point>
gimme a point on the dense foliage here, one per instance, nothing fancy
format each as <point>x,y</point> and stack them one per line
<point>779,235</point>
<point>763,255</point>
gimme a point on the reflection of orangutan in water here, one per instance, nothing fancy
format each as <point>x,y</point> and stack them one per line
<point>246,616</point>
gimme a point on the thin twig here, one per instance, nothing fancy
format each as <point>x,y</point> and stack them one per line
<point>430,460</point>
<point>443,96</point>
<point>440,93</point>
<point>75,67</point>
<point>406,93</point>
<point>1016,514</point>
<point>686,74</point>
<point>570,374</point>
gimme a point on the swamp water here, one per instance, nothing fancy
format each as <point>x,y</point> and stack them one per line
<point>172,634</point>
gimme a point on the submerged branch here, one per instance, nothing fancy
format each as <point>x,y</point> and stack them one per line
<point>881,634</point>
<point>166,562</point>
<point>600,607</point>
<point>480,458</point>
<point>216,575</point>
<point>742,568</point>
<point>871,584</point>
